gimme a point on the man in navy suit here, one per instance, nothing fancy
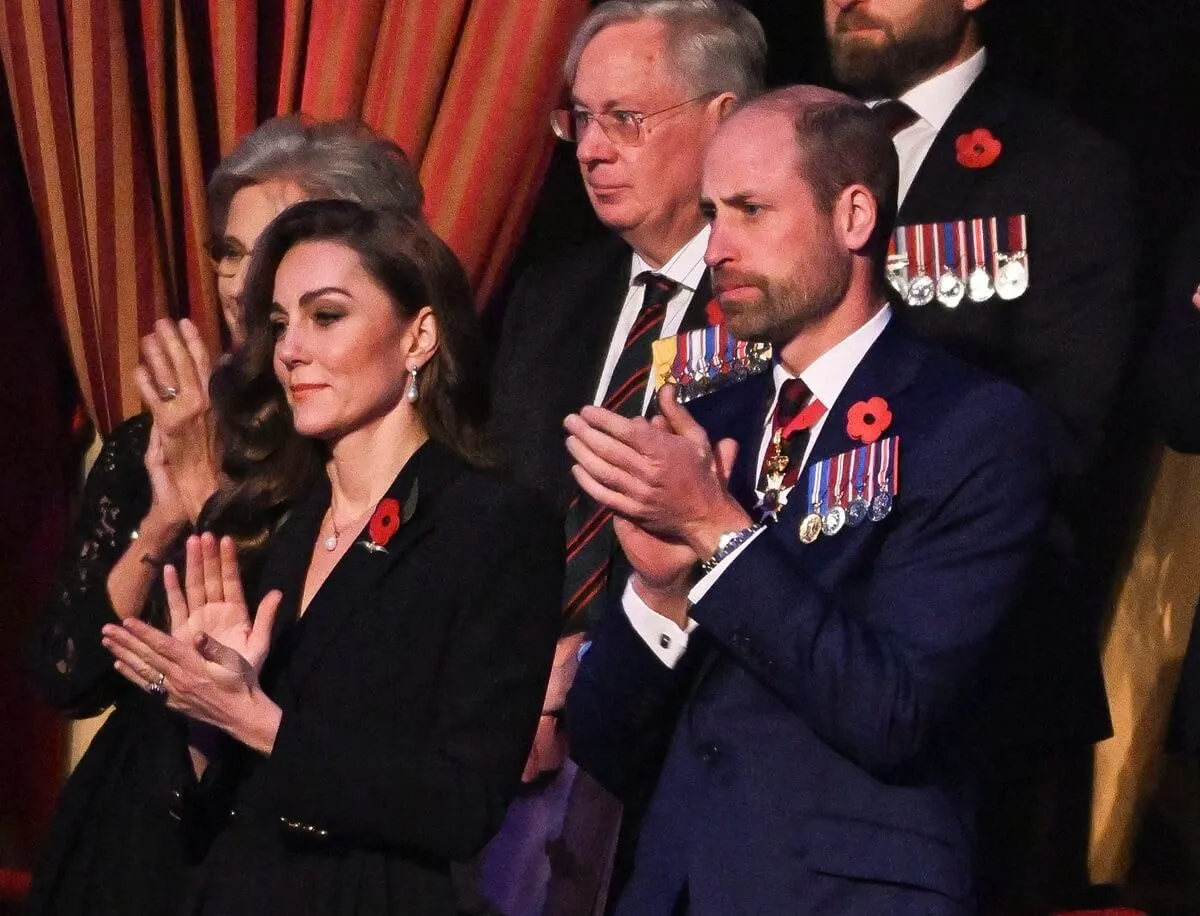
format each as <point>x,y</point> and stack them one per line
<point>863,522</point>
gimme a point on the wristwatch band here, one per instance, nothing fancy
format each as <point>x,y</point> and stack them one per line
<point>727,544</point>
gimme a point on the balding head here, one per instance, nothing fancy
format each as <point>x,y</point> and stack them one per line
<point>799,188</point>
<point>839,143</point>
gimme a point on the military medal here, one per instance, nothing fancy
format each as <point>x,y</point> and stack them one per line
<point>858,508</point>
<point>951,285</point>
<point>897,263</point>
<point>979,283</point>
<point>834,518</point>
<point>922,288</point>
<point>886,480</point>
<point>812,524</point>
<point>1012,265</point>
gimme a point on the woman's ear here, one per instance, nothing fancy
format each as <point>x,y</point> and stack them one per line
<point>423,335</point>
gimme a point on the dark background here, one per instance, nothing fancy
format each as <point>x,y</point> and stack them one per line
<point>1130,68</point>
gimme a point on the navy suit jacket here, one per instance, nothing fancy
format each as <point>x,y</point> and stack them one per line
<point>819,724</point>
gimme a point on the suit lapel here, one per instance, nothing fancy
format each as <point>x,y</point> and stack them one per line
<point>888,367</point>
<point>341,597</point>
<point>942,186</point>
<point>696,316</point>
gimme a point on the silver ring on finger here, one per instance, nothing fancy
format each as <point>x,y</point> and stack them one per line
<point>158,688</point>
<point>168,393</point>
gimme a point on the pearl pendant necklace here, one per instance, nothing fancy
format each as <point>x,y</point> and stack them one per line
<point>331,542</point>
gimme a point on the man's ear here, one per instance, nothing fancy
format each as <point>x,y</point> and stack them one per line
<point>423,333</point>
<point>724,105</point>
<point>855,217</point>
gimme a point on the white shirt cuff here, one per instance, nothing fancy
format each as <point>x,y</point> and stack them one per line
<point>664,638</point>
<point>700,589</point>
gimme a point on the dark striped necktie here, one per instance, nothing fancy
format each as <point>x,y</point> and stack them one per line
<point>589,526</point>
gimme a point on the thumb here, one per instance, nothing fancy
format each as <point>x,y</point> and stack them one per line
<point>682,422</point>
<point>726,454</point>
<point>219,653</point>
<point>264,622</point>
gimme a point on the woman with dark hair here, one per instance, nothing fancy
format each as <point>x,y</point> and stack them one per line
<point>375,715</point>
<point>115,846</point>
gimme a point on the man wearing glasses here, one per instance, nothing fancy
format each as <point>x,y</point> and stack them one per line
<point>649,81</point>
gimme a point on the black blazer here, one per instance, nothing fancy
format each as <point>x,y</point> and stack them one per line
<point>410,690</point>
<point>1066,343</point>
<point>558,326</point>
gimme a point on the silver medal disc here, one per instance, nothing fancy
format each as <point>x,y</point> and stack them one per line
<point>979,285</point>
<point>857,511</point>
<point>950,289</point>
<point>921,291</point>
<point>835,520</point>
<point>881,506</point>
<point>1012,279</point>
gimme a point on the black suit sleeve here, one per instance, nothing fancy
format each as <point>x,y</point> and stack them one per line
<point>1174,367</point>
<point>1075,326</point>
<point>443,794</point>
<point>65,657</point>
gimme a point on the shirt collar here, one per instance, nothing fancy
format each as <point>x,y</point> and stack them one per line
<point>686,267</point>
<point>934,99</point>
<point>830,371</point>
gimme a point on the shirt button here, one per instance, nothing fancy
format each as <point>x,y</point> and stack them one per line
<point>664,641</point>
<point>708,753</point>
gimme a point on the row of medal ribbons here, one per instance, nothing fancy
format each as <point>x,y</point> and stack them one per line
<point>848,489</point>
<point>705,360</point>
<point>974,259</point>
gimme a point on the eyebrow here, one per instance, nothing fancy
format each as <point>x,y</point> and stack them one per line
<point>609,105</point>
<point>312,294</point>
<point>739,199</point>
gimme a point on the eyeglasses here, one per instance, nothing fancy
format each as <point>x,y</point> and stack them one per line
<point>226,256</point>
<point>624,128</point>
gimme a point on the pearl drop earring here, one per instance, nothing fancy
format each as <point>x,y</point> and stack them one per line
<point>412,393</point>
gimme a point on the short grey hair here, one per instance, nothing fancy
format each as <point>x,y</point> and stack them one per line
<point>717,45</point>
<point>342,159</point>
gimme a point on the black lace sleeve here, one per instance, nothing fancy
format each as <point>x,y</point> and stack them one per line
<point>72,669</point>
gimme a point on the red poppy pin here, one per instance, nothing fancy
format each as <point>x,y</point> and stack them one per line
<point>713,313</point>
<point>977,149</point>
<point>867,420</point>
<point>387,519</point>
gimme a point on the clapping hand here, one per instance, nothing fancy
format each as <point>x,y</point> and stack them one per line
<point>207,668</point>
<point>667,487</point>
<point>173,382</point>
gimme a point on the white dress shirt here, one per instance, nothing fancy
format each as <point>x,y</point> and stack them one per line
<point>932,100</point>
<point>825,377</point>
<point>686,267</point>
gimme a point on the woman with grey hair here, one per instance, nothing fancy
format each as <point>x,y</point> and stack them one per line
<point>114,846</point>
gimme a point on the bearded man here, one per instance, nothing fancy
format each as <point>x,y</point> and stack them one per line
<point>1016,250</point>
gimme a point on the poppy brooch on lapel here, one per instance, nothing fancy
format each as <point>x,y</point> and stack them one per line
<point>867,420</point>
<point>387,519</point>
<point>713,313</point>
<point>977,149</point>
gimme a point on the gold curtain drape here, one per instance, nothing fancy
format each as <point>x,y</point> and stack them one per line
<point>123,106</point>
<point>1142,655</point>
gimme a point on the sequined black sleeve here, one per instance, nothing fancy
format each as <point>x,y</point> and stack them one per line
<point>67,661</point>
